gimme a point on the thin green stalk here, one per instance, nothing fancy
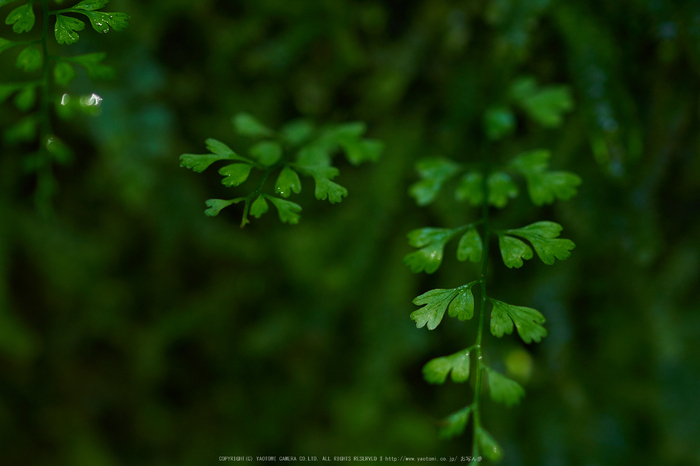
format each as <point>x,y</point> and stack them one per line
<point>44,174</point>
<point>482,306</point>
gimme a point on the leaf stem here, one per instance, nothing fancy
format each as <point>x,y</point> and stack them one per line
<point>482,307</point>
<point>45,180</point>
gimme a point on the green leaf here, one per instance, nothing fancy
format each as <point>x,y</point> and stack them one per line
<point>488,445</point>
<point>325,188</point>
<point>434,304</point>
<point>26,98</point>
<point>215,205</point>
<point>298,131</point>
<point>259,207</point>
<point>6,90</point>
<point>29,59</point>
<point>287,182</point>
<point>501,187</point>
<point>21,18</point>
<point>545,187</point>
<point>90,5</point>
<point>313,155</point>
<point>528,321</point>
<point>499,122</point>
<point>462,306</point>
<point>24,130</point>
<point>424,236</point>
<point>101,21</point>
<point>362,150</point>
<point>544,105</point>
<point>471,188</point>
<point>535,161</point>
<point>513,251</point>
<point>65,29</point>
<point>343,132</point>
<point>63,73</point>
<point>267,152</point>
<point>470,246</point>
<point>235,174</point>
<point>502,389</point>
<point>436,370</point>
<point>91,62</point>
<point>200,162</point>
<point>60,151</point>
<point>434,173</point>
<point>542,236</point>
<point>288,211</point>
<point>432,241</point>
<point>247,125</point>
<point>7,44</point>
<point>455,423</point>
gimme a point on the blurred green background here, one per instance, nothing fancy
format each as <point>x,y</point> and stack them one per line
<point>135,330</point>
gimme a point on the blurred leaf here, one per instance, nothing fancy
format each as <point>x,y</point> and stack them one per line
<point>455,423</point>
<point>7,44</point>
<point>489,447</point>
<point>501,188</point>
<point>267,152</point>
<point>60,151</point>
<point>298,131</point>
<point>436,370</point>
<point>502,389</point>
<point>545,187</point>
<point>544,105</point>
<point>527,320</point>
<point>499,123</point>
<point>434,173</point>
<point>470,246</point>
<point>470,188</point>
<point>26,98</point>
<point>21,18</point>
<point>64,73</point>
<point>247,125</point>
<point>29,59</point>
<point>91,62</point>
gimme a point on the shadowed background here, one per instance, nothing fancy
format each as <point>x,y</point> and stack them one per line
<point>135,330</point>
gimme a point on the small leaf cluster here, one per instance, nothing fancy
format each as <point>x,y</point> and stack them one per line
<point>299,149</point>
<point>544,105</point>
<point>493,186</point>
<point>51,69</point>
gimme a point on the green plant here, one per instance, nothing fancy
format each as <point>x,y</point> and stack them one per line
<point>298,148</point>
<point>490,184</point>
<point>36,96</point>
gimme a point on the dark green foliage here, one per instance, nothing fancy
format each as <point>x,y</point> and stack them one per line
<point>299,148</point>
<point>38,56</point>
